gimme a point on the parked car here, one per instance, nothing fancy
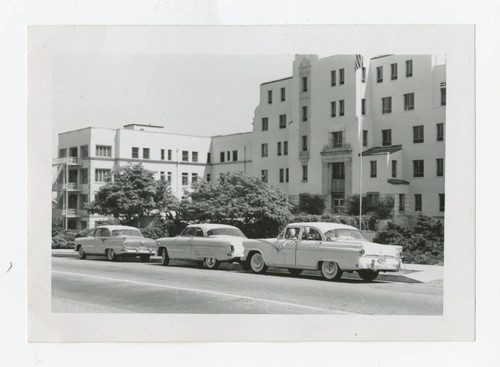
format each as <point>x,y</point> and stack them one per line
<point>329,247</point>
<point>116,242</point>
<point>208,244</point>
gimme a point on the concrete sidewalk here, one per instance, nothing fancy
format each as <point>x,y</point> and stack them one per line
<point>410,273</point>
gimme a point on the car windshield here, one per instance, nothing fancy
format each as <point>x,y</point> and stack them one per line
<point>344,235</point>
<point>126,232</point>
<point>226,232</point>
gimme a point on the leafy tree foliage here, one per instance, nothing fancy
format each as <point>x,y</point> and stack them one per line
<point>132,193</point>
<point>258,209</point>
<point>311,204</point>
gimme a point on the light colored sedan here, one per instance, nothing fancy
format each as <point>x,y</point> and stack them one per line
<point>116,242</point>
<point>208,244</point>
<point>329,247</point>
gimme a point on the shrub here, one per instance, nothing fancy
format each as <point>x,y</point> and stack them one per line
<point>367,221</point>
<point>311,204</point>
<point>353,205</point>
<point>157,229</point>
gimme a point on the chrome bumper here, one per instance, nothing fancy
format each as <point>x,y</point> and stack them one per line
<point>380,263</point>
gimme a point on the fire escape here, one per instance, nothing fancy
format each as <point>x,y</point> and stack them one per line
<point>65,184</point>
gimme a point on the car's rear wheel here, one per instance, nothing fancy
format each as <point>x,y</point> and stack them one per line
<point>164,257</point>
<point>257,263</point>
<point>145,258</point>
<point>368,275</point>
<point>211,263</point>
<point>330,270</point>
<point>295,272</point>
<point>111,255</point>
<point>81,253</point>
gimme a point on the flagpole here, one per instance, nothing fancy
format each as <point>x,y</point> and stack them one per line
<point>360,144</point>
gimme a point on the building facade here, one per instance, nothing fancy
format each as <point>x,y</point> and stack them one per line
<point>336,127</point>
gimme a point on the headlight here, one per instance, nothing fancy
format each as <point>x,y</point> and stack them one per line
<point>362,252</point>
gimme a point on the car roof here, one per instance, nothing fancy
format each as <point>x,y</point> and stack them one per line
<point>322,226</point>
<point>113,227</point>
<point>209,226</point>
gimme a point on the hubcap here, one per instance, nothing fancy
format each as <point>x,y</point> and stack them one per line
<point>210,262</point>
<point>257,262</point>
<point>329,268</point>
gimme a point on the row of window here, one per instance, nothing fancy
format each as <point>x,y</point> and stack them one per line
<point>73,202</point>
<point>284,175</point>
<point>418,202</point>
<point>146,154</point>
<point>282,122</point>
<point>418,134</point>
<point>394,71</point>
<point>418,168</point>
<point>282,95</point>
<point>226,156</point>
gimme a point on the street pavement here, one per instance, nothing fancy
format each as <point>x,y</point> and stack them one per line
<point>97,285</point>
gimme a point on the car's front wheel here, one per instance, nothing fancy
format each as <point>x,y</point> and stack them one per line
<point>368,275</point>
<point>330,270</point>
<point>164,257</point>
<point>257,263</point>
<point>212,263</point>
<point>111,255</point>
<point>81,253</point>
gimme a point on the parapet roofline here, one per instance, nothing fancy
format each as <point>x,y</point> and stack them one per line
<point>144,125</point>
<point>277,80</point>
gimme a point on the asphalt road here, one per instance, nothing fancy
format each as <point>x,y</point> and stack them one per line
<point>97,285</point>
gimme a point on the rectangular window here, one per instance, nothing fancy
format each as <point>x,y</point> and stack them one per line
<point>194,156</point>
<point>443,96</point>
<point>135,152</point>
<point>341,76</point>
<point>62,153</point>
<point>394,71</point>
<point>73,152</point>
<point>162,154</point>
<point>373,168</point>
<point>304,84</point>
<point>409,101</point>
<point>285,148</point>
<point>304,143</point>
<point>194,178</point>
<point>402,202</point>
<point>365,138</point>
<point>363,75</point>
<point>439,167</point>
<point>185,156</point>
<point>269,96</point>
<point>279,148</point>
<point>287,175</point>
<point>363,106</point>
<point>304,173</point>
<point>162,176</point>
<point>84,151</point>
<point>169,154</point>
<point>169,177</point>
<point>102,174</point>
<point>338,171</point>
<point>263,175</point>
<point>209,157</point>
<point>185,178</point>
<point>209,176</point>
<point>418,168</point>
<point>386,137</point>
<point>409,68</point>
<point>235,155</point>
<point>263,150</point>
<point>304,113</point>
<point>84,200</point>
<point>380,74</point>
<point>373,199</point>
<point>103,151</point>
<point>386,104</point>
<point>228,155</point>
<point>441,202</point>
<point>341,107</point>
<point>265,124</point>
<point>337,139</point>
<point>282,121</point>
<point>418,134</point>
<point>282,175</point>
<point>84,176</point>
<point>418,202</point>
<point>440,131</point>
<point>394,169</point>
<point>283,94</point>
<point>333,108</point>
<point>145,153</point>
<point>222,157</point>
<point>333,78</point>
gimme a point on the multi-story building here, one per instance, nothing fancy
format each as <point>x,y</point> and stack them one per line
<point>335,127</point>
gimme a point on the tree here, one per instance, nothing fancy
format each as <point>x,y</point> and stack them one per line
<point>311,204</point>
<point>131,193</point>
<point>258,209</point>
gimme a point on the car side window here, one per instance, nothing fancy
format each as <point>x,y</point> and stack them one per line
<point>104,232</point>
<point>188,232</point>
<point>198,232</point>
<point>292,233</point>
<point>97,232</point>
<point>311,234</point>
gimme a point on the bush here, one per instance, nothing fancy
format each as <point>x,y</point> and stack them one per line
<point>311,204</point>
<point>367,221</point>
<point>157,229</point>
<point>382,210</point>
<point>63,239</point>
<point>422,245</point>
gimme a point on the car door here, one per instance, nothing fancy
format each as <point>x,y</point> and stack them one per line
<point>180,248</point>
<point>101,241</point>
<point>308,250</point>
<point>200,246</point>
<point>288,245</point>
<point>89,243</point>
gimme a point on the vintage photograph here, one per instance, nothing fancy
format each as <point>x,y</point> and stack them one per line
<point>198,183</point>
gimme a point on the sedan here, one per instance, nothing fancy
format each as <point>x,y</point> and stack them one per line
<point>116,242</point>
<point>331,248</point>
<point>207,244</point>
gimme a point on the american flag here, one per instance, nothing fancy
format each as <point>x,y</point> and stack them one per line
<point>358,63</point>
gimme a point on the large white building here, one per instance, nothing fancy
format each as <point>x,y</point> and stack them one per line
<point>334,128</point>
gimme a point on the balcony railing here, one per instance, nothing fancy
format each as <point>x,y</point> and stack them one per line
<point>70,213</point>
<point>66,160</point>
<point>337,147</point>
<point>338,185</point>
<point>70,186</point>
